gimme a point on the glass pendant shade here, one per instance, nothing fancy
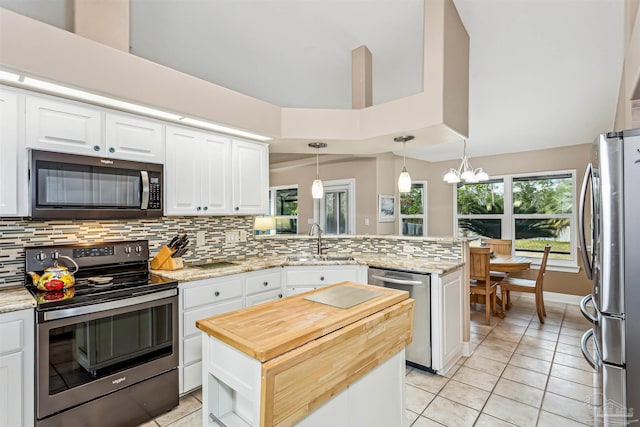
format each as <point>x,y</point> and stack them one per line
<point>317,189</point>
<point>404,181</point>
<point>465,172</point>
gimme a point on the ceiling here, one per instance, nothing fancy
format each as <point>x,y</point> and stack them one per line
<point>543,73</point>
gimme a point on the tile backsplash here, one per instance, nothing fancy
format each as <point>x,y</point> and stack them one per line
<point>16,233</point>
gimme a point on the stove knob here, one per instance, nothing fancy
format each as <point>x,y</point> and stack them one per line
<point>138,249</point>
<point>127,249</point>
<point>55,255</point>
<point>41,256</point>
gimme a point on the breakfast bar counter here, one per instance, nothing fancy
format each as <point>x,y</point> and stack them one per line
<point>324,357</point>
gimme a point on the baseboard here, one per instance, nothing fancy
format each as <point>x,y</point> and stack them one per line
<point>466,348</point>
<point>555,297</point>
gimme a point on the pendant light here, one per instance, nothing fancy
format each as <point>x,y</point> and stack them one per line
<point>465,172</point>
<point>404,180</point>
<point>317,189</point>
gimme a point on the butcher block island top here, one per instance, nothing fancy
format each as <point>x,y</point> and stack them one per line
<point>269,330</point>
<point>281,363</point>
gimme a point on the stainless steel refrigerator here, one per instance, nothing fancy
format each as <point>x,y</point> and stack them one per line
<point>611,193</point>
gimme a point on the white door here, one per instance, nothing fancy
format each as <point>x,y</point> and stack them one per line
<point>8,153</point>
<point>250,175</point>
<point>182,172</point>
<point>132,138</point>
<point>215,176</point>
<point>63,126</point>
<point>336,210</point>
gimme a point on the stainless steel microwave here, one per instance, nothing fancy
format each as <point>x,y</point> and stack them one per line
<point>69,186</point>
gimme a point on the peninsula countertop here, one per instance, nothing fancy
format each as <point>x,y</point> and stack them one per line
<point>15,299</point>
<point>411,263</point>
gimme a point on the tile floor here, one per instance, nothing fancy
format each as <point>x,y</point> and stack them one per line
<point>521,373</point>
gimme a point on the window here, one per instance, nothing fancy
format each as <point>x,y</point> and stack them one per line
<point>531,209</point>
<point>283,205</point>
<point>413,208</point>
<point>335,212</point>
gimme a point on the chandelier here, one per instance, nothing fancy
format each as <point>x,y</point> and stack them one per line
<point>465,172</point>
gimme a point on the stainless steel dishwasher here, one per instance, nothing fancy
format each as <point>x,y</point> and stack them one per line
<point>418,353</point>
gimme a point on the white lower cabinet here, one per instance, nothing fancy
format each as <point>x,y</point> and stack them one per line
<point>446,320</point>
<point>205,298</point>
<point>299,279</point>
<point>16,368</point>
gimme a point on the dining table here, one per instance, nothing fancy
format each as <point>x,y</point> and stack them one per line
<point>507,264</point>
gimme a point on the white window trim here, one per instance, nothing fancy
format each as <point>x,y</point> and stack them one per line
<point>424,210</point>
<point>272,207</point>
<point>338,184</point>
<point>508,218</point>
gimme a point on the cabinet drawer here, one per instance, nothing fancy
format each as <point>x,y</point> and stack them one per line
<point>11,333</point>
<point>192,349</point>
<point>192,376</point>
<point>264,297</point>
<point>266,282</point>
<point>191,316</point>
<point>321,276</point>
<point>211,293</point>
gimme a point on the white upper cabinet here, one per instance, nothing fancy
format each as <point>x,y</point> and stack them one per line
<point>75,128</point>
<point>132,138</point>
<point>8,153</point>
<point>196,173</point>
<point>208,174</point>
<point>63,126</point>
<point>250,172</point>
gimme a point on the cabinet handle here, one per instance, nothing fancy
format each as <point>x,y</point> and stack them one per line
<point>216,293</point>
<point>321,277</point>
<point>96,148</point>
<point>198,208</point>
<point>205,208</point>
<point>112,150</point>
<point>265,283</point>
<point>237,208</point>
<point>279,295</point>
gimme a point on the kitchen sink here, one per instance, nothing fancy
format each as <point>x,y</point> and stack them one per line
<point>214,264</point>
<point>320,258</point>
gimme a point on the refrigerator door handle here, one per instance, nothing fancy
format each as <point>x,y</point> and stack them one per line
<point>594,362</point>
<point>588,177</point>
<point>585,311</point>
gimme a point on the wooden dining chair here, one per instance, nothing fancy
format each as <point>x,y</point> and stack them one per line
<point>527,285</point>
<point>481,283</point>
<point>499,247</point>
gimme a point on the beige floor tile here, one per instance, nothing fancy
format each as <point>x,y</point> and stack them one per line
<point>538,342</point>
<point>480,329</point>
<point>483,364</point>
<point>493,353</point>
<point>426,381</point>
<point>485,420</point>
<point>505,334</point>
<point>538,353</point>
<point>547,419</point>
<point>569,349</point>
<point>539,333</point>
<point>151,423</point>
<point>525,376</point>
<point>572,390</point>
<point>509,327</point>
<point>409,417</point>
<point>568,408</point>
<point>566,339</point>
<point>198,394</point>
<point>549,320</point>
<point>194,419</point>
<point>578,362</point>
<point>530,363</point>
<point>572,374</point>
<point>511,411</point>
<point>502,344</point>
<point>515,321</point>
<point>416,399</point>
<point>451,372</point>
<point>188,405</point>
<point>545,327</point>
<point>465,394</point>
<point>450,413</point>
<point>521,392</point>
<point>425,422</point>
<point>476,378</point>
<point>579,323</point>
<point>572,332</point>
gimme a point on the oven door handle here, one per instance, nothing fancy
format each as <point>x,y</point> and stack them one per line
<point>399,281</point>
<point>144,199</point>
<point>110,305</point>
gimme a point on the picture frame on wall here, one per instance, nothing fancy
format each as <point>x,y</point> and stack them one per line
<point>386,208</point>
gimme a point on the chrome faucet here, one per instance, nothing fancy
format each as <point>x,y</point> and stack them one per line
<point>319,229</point>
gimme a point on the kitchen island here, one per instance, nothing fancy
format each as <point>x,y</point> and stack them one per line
<point>334,356</point>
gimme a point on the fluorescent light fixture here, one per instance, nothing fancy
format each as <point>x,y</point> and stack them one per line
<point>32,83</point>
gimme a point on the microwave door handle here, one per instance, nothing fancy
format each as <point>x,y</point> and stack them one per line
<point>588,177</point>
<point>144,202</point>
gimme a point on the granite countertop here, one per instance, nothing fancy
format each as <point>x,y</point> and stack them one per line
<point>417,264</point>
<point>16,298</point>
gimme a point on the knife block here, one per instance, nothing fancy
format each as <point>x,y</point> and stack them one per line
<point>163,260</point>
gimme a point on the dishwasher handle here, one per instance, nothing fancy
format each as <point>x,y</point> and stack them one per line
<point>398,281</point>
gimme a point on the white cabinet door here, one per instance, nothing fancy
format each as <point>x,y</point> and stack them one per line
<point>182,172</point>
<point>63,126</point>
<point>11,392</point>
<point>446,320</point>
<point>215,174</point>
<point>250,172</point>
<point>132,138</point>
<point>8,153</point>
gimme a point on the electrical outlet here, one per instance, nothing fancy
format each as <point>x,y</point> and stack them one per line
<point>366,221</point>
<point>200,238</point>
<point>232,236</point>
<point>242,236</point>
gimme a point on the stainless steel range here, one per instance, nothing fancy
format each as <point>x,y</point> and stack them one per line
<point>107,348</point>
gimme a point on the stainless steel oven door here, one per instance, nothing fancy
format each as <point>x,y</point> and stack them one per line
<point>90,351</point>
